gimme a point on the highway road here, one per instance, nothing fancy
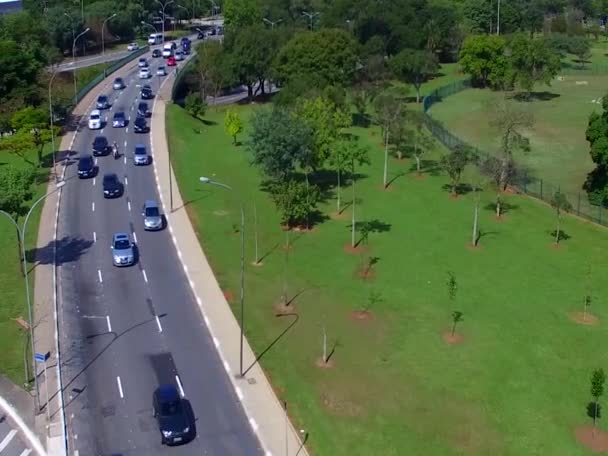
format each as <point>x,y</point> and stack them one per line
<point>125,331</point>
<point>82,62</point>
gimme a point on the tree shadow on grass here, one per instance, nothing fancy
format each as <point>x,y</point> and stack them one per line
<point>461,189</point>
<point>430,167</point>
<point>505,207</point>
<point>535,96</point>
<point>365,228</point>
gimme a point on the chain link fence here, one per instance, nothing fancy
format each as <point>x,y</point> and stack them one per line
<point>522,181</point>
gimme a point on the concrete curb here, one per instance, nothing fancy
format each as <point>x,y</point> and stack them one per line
<point>25,431</point>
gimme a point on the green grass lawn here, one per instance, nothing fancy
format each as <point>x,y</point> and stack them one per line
<point>560,153</point>
<point>12,285</point>
<point>518,384</point>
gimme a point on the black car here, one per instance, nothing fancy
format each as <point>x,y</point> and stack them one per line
<point>173,415</point>
<point>156,53</point>
<point>143,110</point>
<point>119,120</point>
<point>103,102</point>
<point>100,146</point>
<point>146,92</point>
<point>86,167</point>
<point>200,35</point>
<point>112,187</point>
<point>140,125</point>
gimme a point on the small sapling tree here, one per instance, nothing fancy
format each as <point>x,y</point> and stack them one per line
<point>598,378</point>
<point>457,317</point>
<point>560,203</point>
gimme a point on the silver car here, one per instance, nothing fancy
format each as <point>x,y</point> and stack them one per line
<point>153,220</point>
<point>140,156</point>
<point>123,252</point>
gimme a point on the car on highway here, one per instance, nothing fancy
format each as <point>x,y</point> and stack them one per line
<point>200,35</point>
<point>167,50</point>
<point>156,53</point>
<point>112,187</point>
<point>143,110</point>
<point>100,146</point>
<point>161,71</point>
<point>173,416</point>
<point>146,92</point>
<point>144,73</point>
<point>132,47</point>
<point>86,166</point>
<point>95,119</point>
<point>179,56</point>
<point>140,155</point>
<point>118,84</point>
<point>142,63</point>
<point>119,120</point>
<point>123,250</point>
<point>103,102</point>
<point>140,125</point>
<point>171,61</point>
<point>186,46</point>
<point>153,220</point>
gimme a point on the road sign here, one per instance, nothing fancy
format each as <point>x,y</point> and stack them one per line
<point>41,358</point>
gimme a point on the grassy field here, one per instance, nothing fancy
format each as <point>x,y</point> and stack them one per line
<point>560,153</point>
<point>12,288</point>
<point>518,384</point>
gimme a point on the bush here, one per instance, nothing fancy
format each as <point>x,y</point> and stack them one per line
<point>195,105</point>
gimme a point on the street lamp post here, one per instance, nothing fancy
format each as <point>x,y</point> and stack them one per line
<point>103,46</point>
<point>206,180</point>
<point>311,17</point>
<point>149,25</point>
<point>21,240</point>
<point>52,122</point>
<point>74,62</point>
<point>163,6</point>
<point>272,23</point>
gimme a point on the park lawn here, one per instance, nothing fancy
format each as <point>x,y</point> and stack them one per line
<point>517,384</point>
<point>12,288</point>
<point>560,153</point>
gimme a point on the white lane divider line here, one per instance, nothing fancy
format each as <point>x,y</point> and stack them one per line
<point>216,342</point>
<point>99,275</point>
<point>7,439</point>
<point>126,181</point>
<point>160,328</point>
<point>253,424</point>
<point>94,236</point>
<point>127,130</point>
<point>125,159</point>
<point>226,366</point>
<point>93,206</point>
<point>135,236</point>
<point>125,143</point>
<point>94,179</point>
<point>25,452</point>
<point>143,271</point>
<point>239,393</point>
<point>120,387</point>
<point>179,385</point>
<point>109,324</point>
<point>129,205</point>
<point>95,161</point>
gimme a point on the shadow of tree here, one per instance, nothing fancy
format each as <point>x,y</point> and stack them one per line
<point>430,167</point>
<point>366,227</point>
<point>461,189</point>
<point>69,249</point>
<point>563,236</point>
<point>505,207</point>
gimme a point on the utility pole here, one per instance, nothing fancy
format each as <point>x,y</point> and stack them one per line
<point>311,17</point>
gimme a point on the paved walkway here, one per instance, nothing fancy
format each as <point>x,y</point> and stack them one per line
<point>265,413</point>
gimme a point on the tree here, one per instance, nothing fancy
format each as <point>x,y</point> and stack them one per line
<point>390,108</point>
<point>598,378</point>
<point>212,67</point>
<point>476,235</point>
<point>233,124</point>
<point>530,62</point>
<point>581,48</point>
<point>347,152</point>
<point>414,67</point>
<point>19,144</point>
<point>15,188</point>
<point>328,57</point>
<point>483,58</point>
<point>357,157</point>
<point>278,142</point>
<point>560,203</point>
<point>454,163</point>
<point>422,141</point>
<point>195,106</point>
<point>241,13</point>
<point>295,200</point>
<point>597,136</point>
<point>35,122</point>
<point>452,286</point>
<point>457,317</point>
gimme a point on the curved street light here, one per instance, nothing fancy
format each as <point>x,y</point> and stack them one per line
<point>74,62</point>
<point>103,25</point>
<point>206,180</point>
<point>21,241</point>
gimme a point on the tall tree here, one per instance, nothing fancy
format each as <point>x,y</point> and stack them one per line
<point>560,203</point>
<point>35,122</point>
<point>212,68</point>
<point>346,151</point>
<point>483,58</point>
<point>295,200</point>
<point>598,378</point>
<point>241,13</point>
<point>390,110</point>
<point>414,67</point>
<point>357,158</point>
<point>454,163</point>
<point>597,136</point>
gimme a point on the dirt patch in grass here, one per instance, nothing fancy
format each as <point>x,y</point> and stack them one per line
<point>229,295</point>
<point>557,247</point>
<point>348,248</point>
<point>499,218</point>
<point>420,177</point>
<point>361,315</point>
<point>594,439</point>
<point>340,406</point>
<point>365,273</point>
<point>474,248</point>
<point>281,308</point>
<point>338,215</point>
<point>258,264</point>
<point>584,319</point>
<point>452,339</point>
<point>324,365</point>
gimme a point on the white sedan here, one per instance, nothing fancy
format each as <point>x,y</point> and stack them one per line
<point>160,71</point>
<point>144,73</point>
<point>132,47</point>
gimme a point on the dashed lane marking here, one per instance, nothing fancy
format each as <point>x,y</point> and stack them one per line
<point>99,275</point>
<point>120,387</point>
<point>160,328</point>
<point>179,385</point>
<point>135,236</point>
<point>93,206</point>
<point>129,205</point>
<point>7,439</point>
<point>143,271</point>
<point>94,236</point>
<point>109,324</point>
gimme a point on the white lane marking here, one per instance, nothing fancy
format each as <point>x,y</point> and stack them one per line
<point>179,385</point>
<point>126,181</point>
<point>109,324</point>
<point>143,271</point>
<point>7,439</point>
<point>127,130</point>
<point>253,424</point>
<point>99,275</point>
<point>135,236</point>
<point>129,205</point>
<point>76,453</point>
<point>226,366</point>
<point>125,160</point>
<point>95,161</point>
<point>120,387</point>
<point>102,131</point>
<point>93,206</point>
<point>94,236</point>
<point>28,451</point>
<point>199,302</point>
<point>239,393</point>
<point>125,143</point>
<point>160,328</point>
<point>94,179</point>
<point>216,342</point>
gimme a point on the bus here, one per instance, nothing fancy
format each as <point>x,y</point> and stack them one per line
<point>155,38</point>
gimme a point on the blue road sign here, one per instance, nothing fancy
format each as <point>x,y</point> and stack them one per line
<point>41,358</point>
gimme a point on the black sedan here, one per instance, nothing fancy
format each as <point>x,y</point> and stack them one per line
<point>143,109</point>
<point>119,120</point>
<point>174,416</point>
<point>140,125</point>
<point>86,167</point>
<point>146,92</point>
<point>157,53</point>
<point>100,146</point>
<point>112,187</point>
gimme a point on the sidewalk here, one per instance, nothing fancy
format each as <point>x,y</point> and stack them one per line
<point>265,413</point>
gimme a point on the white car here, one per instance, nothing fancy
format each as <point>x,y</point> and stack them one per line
<point>179,56</point>
<point>142,63</point>
<point>95,120</point>
<point>160,71</point>
<point>132,47</point>
<point>144,73</point>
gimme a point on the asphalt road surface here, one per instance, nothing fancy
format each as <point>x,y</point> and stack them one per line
<point>82,62</point>
<point>10,440</point>
<point>127,330</point>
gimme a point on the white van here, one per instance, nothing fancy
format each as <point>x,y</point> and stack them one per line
<point>167,50</point>
<point>155,38</point>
